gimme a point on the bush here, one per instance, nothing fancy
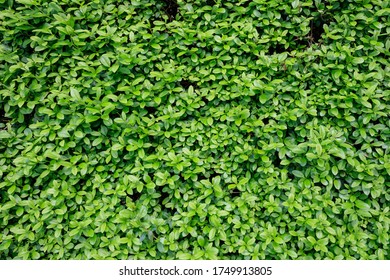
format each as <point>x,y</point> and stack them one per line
<point>194,129</point>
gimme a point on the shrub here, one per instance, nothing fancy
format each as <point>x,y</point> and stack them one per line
<point>194,129</point>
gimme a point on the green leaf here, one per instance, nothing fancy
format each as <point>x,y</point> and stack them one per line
<point>295,4</point>
<point>331,231</point>
<point>79,134</point>
<point>75,93</point>
<point>319,149</point>
<point>5,245</point>
<point>298,174</point>
<point>183,256</point>
<point>292,254</point>
<point>211,253</point>
<point>105,61</point>
<point>312,240</point>
<point>91,118</point>
<point>264,98</point>
<point>18,231</point>
<point>201,241</point>
<point>307,183</point>
<point>63,133</point>
<point>212,233</point>
<point>97,141</point>
<point>245,113</point>
<point>5,134</point>
<point>117,147</point>
<point>362,205</point>
<point>279,240</point>
<point>337,152</point>
<point>357,60</point>
<point>27,2</point>
<point>337,184</point>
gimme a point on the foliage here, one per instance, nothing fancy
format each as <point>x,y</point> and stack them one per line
<point>151,129</point>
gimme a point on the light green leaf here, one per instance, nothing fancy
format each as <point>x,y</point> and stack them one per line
<point>105,61</point>
<point>295,4</point>
<point>357,60</point>
<point>362,205</point>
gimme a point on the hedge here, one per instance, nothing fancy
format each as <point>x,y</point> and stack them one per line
<point>163,129</point>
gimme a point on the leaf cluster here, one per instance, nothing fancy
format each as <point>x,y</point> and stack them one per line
<point>194,129</point>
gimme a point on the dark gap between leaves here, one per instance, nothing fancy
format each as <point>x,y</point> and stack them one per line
<point>276,161</point>
<point>150,110</point>
<point>171,9</point>
<point>210,3</point>
<point>277,48</point>
<point>186,84</point>
<point>235,193</point>
<point>162,200</point>
<point>135,196</point>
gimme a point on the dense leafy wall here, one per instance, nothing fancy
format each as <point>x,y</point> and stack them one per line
<point>194,129</point>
